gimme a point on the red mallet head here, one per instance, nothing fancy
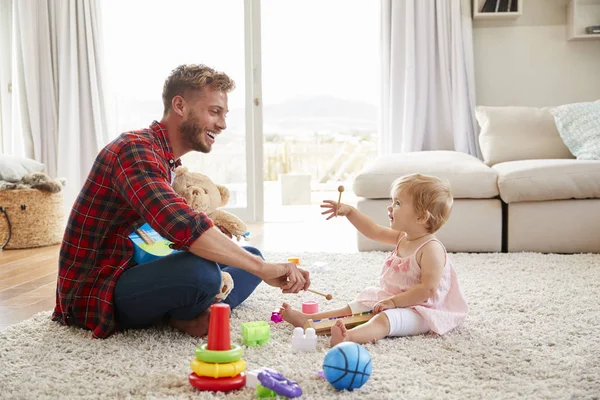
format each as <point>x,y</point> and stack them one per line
<point>218,327</point>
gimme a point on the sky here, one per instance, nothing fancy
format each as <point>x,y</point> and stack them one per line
<point>309,47</point>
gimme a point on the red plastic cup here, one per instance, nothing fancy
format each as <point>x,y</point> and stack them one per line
<point>218,327</point>
<point>310,307</point>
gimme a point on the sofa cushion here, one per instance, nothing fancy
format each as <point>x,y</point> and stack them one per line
<point>540,180</point>
<point>469,177</point>
<point>579,127</point>
<point>518,133</point>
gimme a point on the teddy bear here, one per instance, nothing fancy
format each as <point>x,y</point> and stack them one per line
<point>202,194</point>
<point>226,286</point>
<point>35,180</point>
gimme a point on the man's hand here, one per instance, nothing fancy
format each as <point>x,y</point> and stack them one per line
<point>286,276</point>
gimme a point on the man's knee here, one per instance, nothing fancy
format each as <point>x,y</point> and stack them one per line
<point>254,251</point>
<point>207,280</point>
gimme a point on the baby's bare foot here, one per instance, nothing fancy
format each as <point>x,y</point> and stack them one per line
<point>339,333</point>
<point>292,316</point>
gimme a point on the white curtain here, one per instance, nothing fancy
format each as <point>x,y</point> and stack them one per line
<point>6,143</point>
<point>58,86</point>
<point>428,81</point>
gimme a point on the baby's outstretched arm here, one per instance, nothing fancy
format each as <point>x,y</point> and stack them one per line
<point>361,222</point>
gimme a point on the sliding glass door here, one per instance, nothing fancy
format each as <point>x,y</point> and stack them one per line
<point>320,63</point>
<point>319,87</point>
<point>146,39</point>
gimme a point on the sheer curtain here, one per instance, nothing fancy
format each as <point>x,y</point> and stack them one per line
<point>6,139</point>
<point>428,82</point>
<point>59,86</point>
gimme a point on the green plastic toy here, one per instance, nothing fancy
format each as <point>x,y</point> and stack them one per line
<point>255,333</point>
<point>264,393</point>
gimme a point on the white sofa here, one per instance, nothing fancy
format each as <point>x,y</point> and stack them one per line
<point>528,194</point>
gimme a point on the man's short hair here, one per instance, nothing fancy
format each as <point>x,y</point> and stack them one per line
<point>188,79</point>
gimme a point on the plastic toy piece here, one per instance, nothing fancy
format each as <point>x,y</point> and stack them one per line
<point>219,356</point>
<point>217,370</point>
<point>255,333</point>
<point>264,393</point>
<point>218,328</point>
<point>310,307</point>
<point>304,342</point>
<point>217,384</point>
<point>252,377</point>
<point>276,317</point>
<point>323,326</point>
<point>279,384</point>
<point>148,245</point>
<point>320,266</point>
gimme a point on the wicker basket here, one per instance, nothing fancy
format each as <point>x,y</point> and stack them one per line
<point>30,218</point>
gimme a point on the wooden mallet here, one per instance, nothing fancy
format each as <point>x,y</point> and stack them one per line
<point>327,296</point>
<point>340,189</point>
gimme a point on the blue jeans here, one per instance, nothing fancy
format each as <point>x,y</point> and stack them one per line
<point>179,286</point>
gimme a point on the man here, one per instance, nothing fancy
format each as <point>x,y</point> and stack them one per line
<point>99,287</point>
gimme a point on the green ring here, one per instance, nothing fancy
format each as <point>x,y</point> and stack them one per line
<point>219,356</point>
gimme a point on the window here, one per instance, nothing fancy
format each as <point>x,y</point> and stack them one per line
<point>320,64</point>
<point>145,40</point>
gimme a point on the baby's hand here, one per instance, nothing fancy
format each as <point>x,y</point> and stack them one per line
<point>332,209</point>
<point>383,305</point>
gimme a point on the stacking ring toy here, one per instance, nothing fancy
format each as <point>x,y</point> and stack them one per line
<point>219,356</point>
<point>217,384</point>
<point>279,384</point>
<point>216,370</point>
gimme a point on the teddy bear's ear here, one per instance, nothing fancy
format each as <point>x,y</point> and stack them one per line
<point>180,170</point>
<point>224,194</point>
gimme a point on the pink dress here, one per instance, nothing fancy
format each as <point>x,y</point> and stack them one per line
<point>443,312</point>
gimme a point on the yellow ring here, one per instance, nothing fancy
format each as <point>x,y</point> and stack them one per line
<point>215,370</point>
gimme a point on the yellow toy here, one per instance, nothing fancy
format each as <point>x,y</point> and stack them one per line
<point>204,195</point>
<point>323,326</point>
<point>217,370</point>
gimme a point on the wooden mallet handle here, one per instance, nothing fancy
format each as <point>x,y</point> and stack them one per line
<point>340,189</point>
<point>327,296</point>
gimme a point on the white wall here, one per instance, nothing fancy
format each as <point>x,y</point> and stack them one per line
<point>529,62</point>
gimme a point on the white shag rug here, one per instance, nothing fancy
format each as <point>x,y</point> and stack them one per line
<point>533,332</point>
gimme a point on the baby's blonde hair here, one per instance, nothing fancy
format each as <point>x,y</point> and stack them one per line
<point>431,197</point>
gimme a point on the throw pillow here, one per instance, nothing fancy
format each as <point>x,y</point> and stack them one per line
<point>14,168</point>
<point>518,133</point>
<point>579,126</point>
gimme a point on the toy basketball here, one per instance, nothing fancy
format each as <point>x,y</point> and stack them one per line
<point>347,366</point>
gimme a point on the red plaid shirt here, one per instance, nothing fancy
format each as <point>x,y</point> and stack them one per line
<point>129,183</point>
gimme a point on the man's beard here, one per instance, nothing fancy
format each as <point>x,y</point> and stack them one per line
<point>192,132</point>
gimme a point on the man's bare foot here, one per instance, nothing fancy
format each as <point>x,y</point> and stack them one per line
<point>339,333</point>
<point>292,316</point>
<point>197,326</point>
